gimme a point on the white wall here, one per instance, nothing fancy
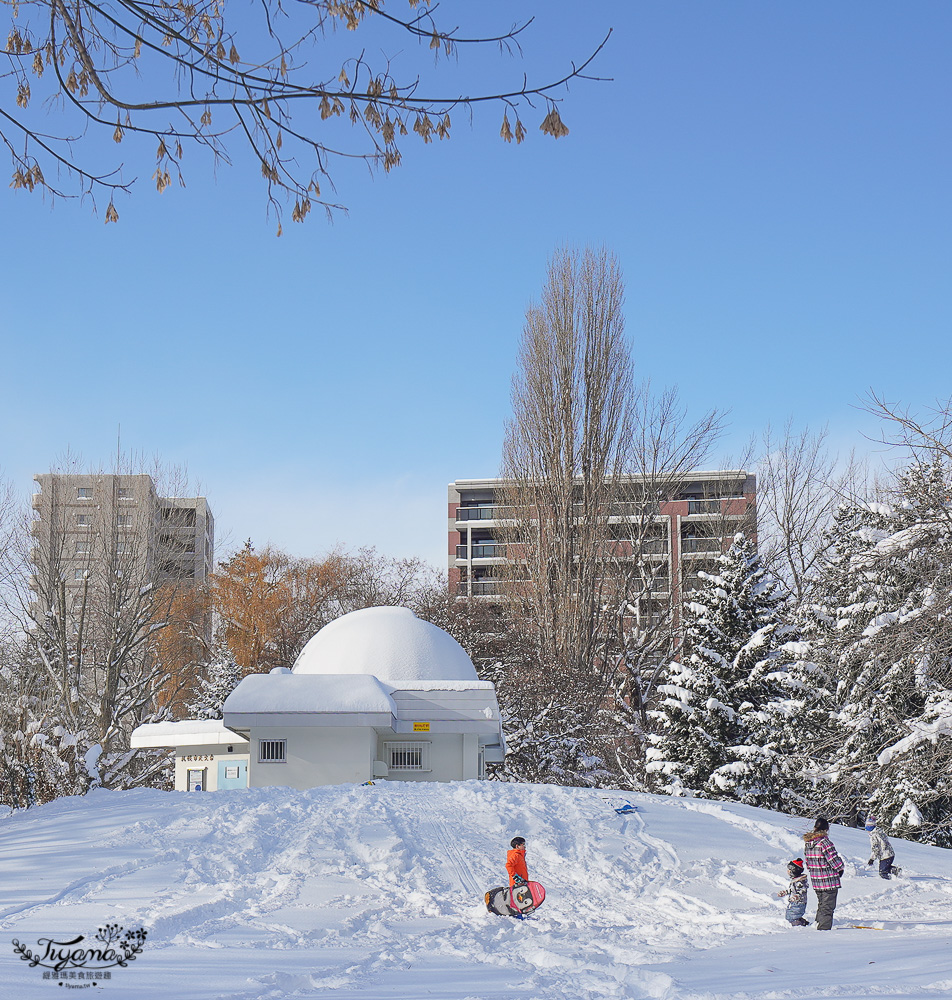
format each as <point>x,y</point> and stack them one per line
<point>453,756</point>
<point>315,756</point>
<point>337,755</point>
<point>208,757</point>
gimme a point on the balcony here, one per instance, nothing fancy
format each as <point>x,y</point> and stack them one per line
<point>618,512</point>
<point>690,544</point>
<point>488,513</point>
<point>628,509</point>
<point>482,550</point>
<point>704,506</point>
<point>480,588</point>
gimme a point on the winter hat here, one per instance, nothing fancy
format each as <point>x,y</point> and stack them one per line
<point>795,867</point>
<point>870,824</point>
<point>821,825</point>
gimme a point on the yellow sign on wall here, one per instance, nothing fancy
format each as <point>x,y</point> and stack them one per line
<point>421,727</point>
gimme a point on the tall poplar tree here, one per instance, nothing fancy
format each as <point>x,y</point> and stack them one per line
<point>587,449</point>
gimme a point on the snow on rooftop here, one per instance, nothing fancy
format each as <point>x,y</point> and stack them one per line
<point>153,734</point>
<point>441,686</point>
<point>391,644</point>
<point>287,692</point>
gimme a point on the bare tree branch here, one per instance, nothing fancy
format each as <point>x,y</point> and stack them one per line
<point>120,69</point>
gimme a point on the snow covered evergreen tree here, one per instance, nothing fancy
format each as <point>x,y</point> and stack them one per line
<point>796,728</point>
<point>918,771</point>
<point>883,630</point>
<point>219,678</point>
<point>712,695</point>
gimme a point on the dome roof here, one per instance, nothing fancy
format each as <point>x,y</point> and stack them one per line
<point>391,644</point>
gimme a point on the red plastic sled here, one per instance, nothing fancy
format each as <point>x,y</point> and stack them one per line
<point>524,900</point>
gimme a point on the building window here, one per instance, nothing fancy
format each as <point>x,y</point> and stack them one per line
<point>84,520</point>
<point>84,493</point>
<point>124,493</point>
<point>408,756</point>
<point>272,751</point>
<point>82,548</point>
<point>79,574</point>
<point>124,520</point>
<point>123,548</point>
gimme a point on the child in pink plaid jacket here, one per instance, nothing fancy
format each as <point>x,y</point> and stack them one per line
<point>825,867</point>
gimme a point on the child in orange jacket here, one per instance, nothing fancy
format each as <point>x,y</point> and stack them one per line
<point>516,862</point>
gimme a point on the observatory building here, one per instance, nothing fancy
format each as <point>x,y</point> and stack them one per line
<point>376,694</point>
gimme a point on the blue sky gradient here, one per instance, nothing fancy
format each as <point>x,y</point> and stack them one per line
<point>774,179</point>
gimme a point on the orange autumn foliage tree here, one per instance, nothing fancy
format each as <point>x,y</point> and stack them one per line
<point>248,597</point>
<point>268,604</point>
<point>181,644</point>
<point>315,592</point>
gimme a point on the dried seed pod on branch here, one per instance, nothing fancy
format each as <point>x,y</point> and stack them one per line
<point>275,83</point>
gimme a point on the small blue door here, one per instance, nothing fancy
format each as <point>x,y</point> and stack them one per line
<point>233,774</point>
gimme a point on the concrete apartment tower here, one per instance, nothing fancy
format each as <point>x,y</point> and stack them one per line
<point>88,525</point>
<point>693,523</point>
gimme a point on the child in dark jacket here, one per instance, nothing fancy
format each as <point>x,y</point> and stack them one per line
<point>796,893</point>
<point>516,862</point>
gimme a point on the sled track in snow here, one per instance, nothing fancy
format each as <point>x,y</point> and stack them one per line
<point>436,832</point>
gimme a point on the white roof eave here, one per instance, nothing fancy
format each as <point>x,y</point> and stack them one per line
<point>150,741</point>
<point>484,727</point>
<point>244,721</point>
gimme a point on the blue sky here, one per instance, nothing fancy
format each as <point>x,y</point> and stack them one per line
<point>774,179</point>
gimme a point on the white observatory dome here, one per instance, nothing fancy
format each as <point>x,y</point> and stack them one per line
<point>391,644</point>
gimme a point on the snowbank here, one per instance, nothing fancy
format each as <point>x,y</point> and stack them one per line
<point>375,892</point>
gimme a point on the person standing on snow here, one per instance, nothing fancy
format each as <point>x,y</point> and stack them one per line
<point>796,893</point>
<point>825,867</point>
<point>516,863</point>
<point>879,848</point>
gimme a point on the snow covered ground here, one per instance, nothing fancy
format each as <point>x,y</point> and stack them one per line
<point>376,892</point>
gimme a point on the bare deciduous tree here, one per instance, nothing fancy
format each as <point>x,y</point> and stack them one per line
<point>566,449</point>
<point>10,518</point>
<point>923,439</point>
<point>273,80</point>
<point>588,458</point>
<point>800,485</point>
<point>926,438</point>
<point>93,601</point>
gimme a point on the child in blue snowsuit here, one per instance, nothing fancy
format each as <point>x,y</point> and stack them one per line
<point>796,893</point>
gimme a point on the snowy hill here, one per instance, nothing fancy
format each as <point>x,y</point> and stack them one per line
<point>376,892</point>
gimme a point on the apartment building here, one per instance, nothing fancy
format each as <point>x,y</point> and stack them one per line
<point>86,525</point>
<point>688,527</point>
